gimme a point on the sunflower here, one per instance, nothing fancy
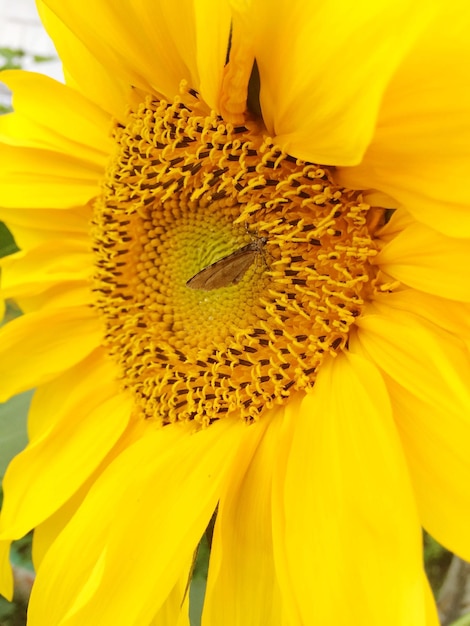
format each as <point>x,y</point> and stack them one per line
<point>244,236</point>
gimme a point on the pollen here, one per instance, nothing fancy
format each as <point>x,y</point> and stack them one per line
<point>282,253</point>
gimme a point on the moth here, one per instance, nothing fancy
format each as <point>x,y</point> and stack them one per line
<point>230,269</point>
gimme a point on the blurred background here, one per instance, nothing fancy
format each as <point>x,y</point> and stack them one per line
<point>24,42</point>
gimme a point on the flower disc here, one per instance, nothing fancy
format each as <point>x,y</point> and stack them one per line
<point>281,252</point>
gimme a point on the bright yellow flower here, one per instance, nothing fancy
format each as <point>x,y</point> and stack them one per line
<point>313,385</point>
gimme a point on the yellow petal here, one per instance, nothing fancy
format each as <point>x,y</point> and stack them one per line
<point>62,295</point>
<point>212,24</point>
<point>6,574</point>
<point>242,587</point>
<point>81,430</point>
<point>324,68</point>
<point>130,541</point>
<point>436,441</point>
<point>280,513</point>
<point>399,221</point>
<point>174,611</point>
<point>153,45</point>
<point>92,376</point>
<point>47,532</point>
<point>352,534</point>
<point>451,316</point>
<point>427,260</point>
<point>233,97</point>
<point>120,44</point>
<point>53,179</point>
<point>419,154</point>
<point>420,356</point>
<point>54,340</point>
<point>46,265</point>
<point>82,70</point>
<point>430,389</point>
<point>53,116</point>
<point>31,227</point>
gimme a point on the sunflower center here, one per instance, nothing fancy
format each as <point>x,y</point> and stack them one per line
<point>226,270</point>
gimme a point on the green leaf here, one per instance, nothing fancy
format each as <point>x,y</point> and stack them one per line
<point>7,243</point>
<point>10,59</point>
<point>38,58</point>
<point>198,583</point>
<point>13,434</point>
<point>462,621</point>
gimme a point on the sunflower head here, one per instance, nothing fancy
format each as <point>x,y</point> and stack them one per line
<point>253,307</point>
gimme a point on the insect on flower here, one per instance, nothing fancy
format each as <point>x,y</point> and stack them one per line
<point>230,269</point>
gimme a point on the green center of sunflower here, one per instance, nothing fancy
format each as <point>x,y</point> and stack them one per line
<point>226,270</point>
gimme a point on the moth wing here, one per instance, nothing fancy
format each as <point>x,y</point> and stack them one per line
<point>240,266</point>
<point>223,273</point>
